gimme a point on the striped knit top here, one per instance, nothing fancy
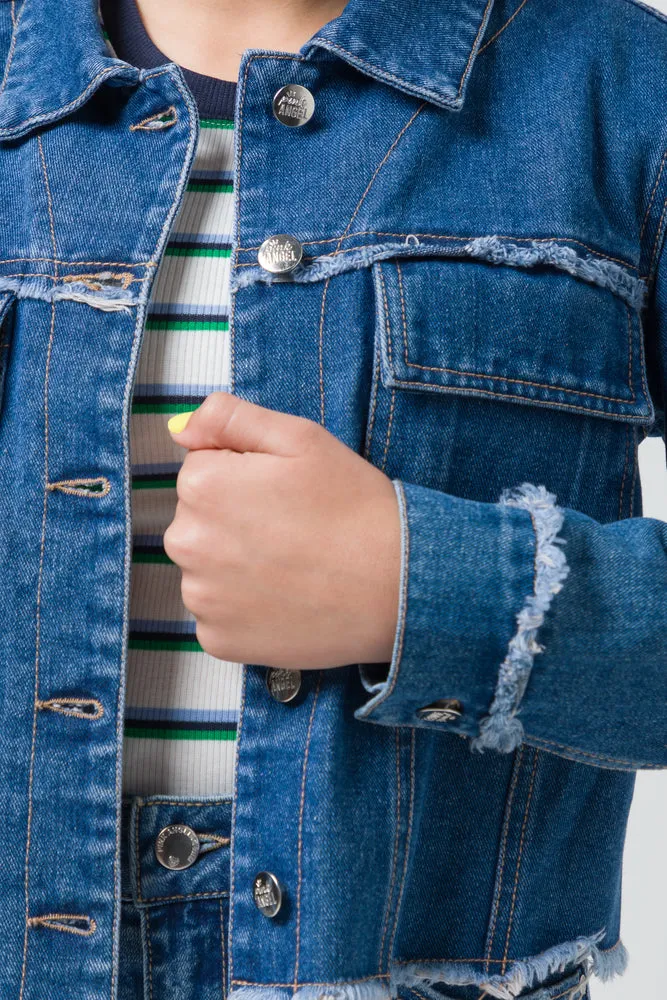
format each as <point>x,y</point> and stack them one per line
<point>182,704</point>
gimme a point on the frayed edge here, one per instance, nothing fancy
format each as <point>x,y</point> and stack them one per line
<point>111,299</point>
<point>521,975</point>
<point>322,267</point>
<point>604,273</point>
<point>500,730</point>
<point>375,989</point>
<point>595,270</point>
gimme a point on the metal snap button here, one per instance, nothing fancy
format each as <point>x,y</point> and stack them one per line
<point>267,893</point>
<point>442,710</point>
<point>177,847</point>
<point>293,105</point>
<point>283,685</point>
<point>280,254</point>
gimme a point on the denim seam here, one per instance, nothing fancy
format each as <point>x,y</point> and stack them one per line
<point>182,802</point>
<point>76,263</point>
<point>211,894</point>
<point>230,949</point>
<point>35,710</point>
<point>223,982</point>
<point>655,255</point>
<point>635,464</point>
<point>625,471</point>
<point>363,979</point>
<point>408,840</point>
<point>518,861</point>
<point>516,770</point>
<point>368,443</point>
<point>502,28</point>
<point>149,948</point>
<point>602,758</point>
<point>304,771</point>
<point>471,391</point>
<point>321,353</point>
<point>651,199</point>
<point>397,826</point>
<point>453,238</point>
<point>12,46</point>
<point>403,600</point>
<point>495,961</point>
<point>390,419</point>
<point>501,378</point>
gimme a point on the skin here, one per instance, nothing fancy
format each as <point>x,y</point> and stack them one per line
<point>287,539</point>
<point>209,36</point>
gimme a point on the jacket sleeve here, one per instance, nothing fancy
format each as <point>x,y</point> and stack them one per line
<point>521,621</point>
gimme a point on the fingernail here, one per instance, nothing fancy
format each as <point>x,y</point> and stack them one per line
<point>179,422</point>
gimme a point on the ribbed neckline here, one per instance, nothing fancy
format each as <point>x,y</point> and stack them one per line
<point>215,98</point>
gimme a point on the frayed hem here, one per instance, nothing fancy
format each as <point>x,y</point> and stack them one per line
<point>521,975</point>
<point>598,271</point>
<point>568,958</point>
<point>374,989</point>
<point>501,730</point>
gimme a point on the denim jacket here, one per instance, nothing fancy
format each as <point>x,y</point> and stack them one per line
<point>480,311</point>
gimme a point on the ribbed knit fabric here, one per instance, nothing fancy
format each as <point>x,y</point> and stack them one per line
<point>182,704</point>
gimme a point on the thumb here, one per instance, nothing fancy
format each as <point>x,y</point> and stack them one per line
<point>227,421</point>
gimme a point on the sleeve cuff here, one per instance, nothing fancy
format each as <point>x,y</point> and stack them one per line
<point>475,581</point>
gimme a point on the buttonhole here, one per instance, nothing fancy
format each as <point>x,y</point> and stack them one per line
<point>157,122</point>
<point>78,708</point>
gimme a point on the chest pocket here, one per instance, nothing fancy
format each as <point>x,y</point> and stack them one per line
<point>541,337</point>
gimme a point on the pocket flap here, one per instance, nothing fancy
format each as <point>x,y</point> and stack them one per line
<point>527,335</point>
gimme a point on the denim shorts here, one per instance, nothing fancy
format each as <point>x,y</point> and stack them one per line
<point>174,923</point>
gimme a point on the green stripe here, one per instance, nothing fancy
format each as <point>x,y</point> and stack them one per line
<point>197,252</point>
<point>216,123</point>
<point>186,324</point>
<point>139,407</point>
<point>180,734</point>
<point>154,484</point>
<point>221,187</point>
<point>151,557</point>
<point>185,645</point>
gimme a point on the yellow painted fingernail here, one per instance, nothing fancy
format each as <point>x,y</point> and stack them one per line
<point>179,422</point>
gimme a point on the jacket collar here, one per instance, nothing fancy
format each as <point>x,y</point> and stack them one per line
<point>58,56</point>
<point>424,47</point>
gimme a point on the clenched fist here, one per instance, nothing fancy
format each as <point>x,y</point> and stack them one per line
<point>288,540</point>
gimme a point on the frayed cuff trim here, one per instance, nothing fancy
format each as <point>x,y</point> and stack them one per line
<point>501,730</point>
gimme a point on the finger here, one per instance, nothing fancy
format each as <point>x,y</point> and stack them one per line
<point>226,421</point>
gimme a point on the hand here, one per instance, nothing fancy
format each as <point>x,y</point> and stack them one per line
<point>288,540</point>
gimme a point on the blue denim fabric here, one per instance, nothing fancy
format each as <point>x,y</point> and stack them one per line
<point>482,313</point>
<point>173,924</point>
